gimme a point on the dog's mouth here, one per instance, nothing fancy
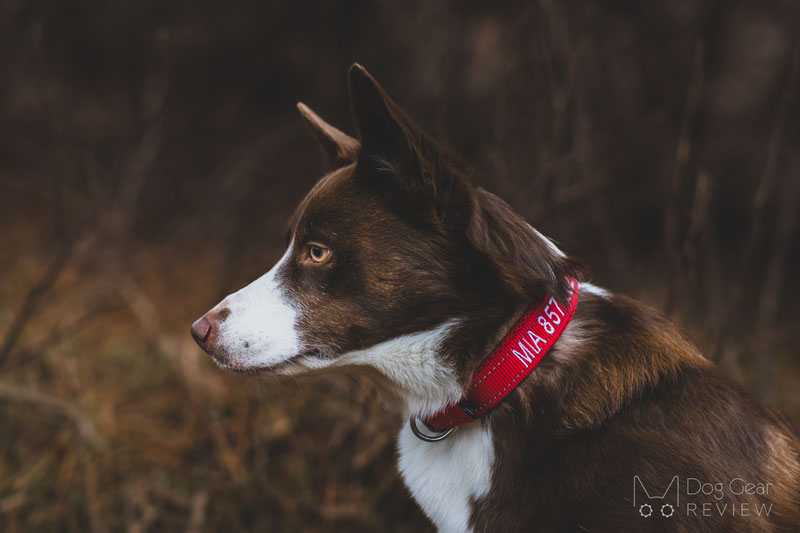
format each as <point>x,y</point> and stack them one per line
<point>286,366</point>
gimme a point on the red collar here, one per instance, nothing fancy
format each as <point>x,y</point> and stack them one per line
<point>510,362</point>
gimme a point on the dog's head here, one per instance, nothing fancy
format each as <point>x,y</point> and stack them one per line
<point>395,241</point>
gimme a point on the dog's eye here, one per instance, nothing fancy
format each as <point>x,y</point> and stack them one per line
<point>318,254</point>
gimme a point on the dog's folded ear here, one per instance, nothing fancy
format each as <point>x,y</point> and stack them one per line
<point>340,149</point>
<point>407,164</point>
<point>526,264</point>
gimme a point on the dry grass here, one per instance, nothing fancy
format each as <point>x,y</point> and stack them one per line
<point>118,422</point>
<point>149,156</point>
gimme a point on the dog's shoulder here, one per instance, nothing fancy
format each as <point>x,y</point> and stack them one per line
<point>624,394</point>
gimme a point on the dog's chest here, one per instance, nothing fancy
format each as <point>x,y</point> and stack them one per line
<point>446,477</point>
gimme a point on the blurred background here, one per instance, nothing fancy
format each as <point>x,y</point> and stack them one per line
<point>150,153</point>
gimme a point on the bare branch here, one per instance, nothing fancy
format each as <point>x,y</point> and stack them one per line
<point>81,420</point>
<point>776,269</point>
<point>682,153</point>
<point>764,191</point>
<point>90,490</point>
<point>197,512</point>
<point>686,257</point>
<point>31,301</point>
<point>114,221</point>
<point>773,285</point>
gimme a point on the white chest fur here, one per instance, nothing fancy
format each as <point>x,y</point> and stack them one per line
<point>446,476</point>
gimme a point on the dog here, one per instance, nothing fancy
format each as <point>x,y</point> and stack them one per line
<point>535,400</point>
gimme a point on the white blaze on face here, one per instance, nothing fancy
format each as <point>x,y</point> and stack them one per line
<point>261,328</point>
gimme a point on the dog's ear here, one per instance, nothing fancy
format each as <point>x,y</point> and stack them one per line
<point>526,263</point>
<point>423,178</point>
<point>340,149</point>
<point>406,163</point>
<point>385,130</point>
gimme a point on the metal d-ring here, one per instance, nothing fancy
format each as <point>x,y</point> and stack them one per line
<point>427,438</point>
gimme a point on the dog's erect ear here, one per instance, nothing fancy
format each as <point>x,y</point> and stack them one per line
<point>410,164</point>
<point>340,149</point>
<point>423,178</point>
<point>385,128</point>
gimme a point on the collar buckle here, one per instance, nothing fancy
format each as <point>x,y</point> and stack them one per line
<point>468,407</point>
<point>436,435</point>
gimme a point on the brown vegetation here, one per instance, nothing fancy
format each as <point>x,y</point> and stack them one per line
<point>150,154</point>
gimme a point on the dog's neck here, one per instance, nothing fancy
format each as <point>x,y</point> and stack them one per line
<point>410,371</point>
<point>434,368</point>
<point>429,370</point>
<point>421,373</point>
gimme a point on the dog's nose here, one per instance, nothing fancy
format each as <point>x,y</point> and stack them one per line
<point>200,330</point>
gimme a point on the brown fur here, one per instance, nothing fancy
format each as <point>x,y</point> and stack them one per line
<point>623,393</point>
<point>633,398</point>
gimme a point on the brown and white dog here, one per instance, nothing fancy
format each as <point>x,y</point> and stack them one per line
<point>400,267</point>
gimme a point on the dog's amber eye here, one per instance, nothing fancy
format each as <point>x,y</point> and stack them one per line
<point>318,254</point>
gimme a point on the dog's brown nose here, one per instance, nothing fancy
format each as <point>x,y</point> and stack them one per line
<point>200,330</point>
